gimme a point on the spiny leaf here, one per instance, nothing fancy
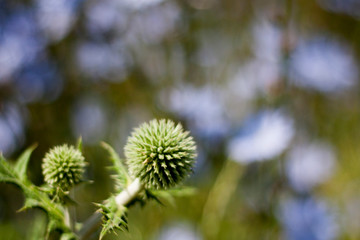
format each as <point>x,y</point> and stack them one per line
<point>122,175</point>
<point>114,217</point>
<point>34,196</point>
<point>31,203</point>
<point>7,174</point>
<point>22,162</point>
<point>51,208</point>
<point>119,223</point>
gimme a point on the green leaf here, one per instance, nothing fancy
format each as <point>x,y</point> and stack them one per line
<point>122,177</point>
<point>165,195</point>
<point>34,196</point>
<point>170,194</point>
<point>150,195</point>
<point>114,217</point>
<point>79,144</point>
<point>51,226</point>
<point>31,203</point>
<point>182,191</point>
<point>38,198</point>
<point>22,162</point>
<point>7,174</point>
<point>68,236</point>
<point>55,224</point>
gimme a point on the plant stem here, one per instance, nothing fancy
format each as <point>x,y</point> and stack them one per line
<point>219,197</point>
<point>67,217</point>
<point>122,199</point>
<point>127,195</point>
<point>69,214</point>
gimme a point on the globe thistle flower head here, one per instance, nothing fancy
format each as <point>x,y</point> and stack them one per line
<point>160,153</point>
<point>63,167</point>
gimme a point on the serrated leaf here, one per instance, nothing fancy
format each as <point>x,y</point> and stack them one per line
<point>122,175</point>
<point>7,174</point>
<point>34,196</point>
<point>22,163</point>
<point>114,217</point>
<point>51,208</point>
<point>111,225</point>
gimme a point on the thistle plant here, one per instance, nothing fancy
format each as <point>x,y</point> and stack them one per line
<point>63,167</point>
<point>159,156</point>
<point>160,153</point>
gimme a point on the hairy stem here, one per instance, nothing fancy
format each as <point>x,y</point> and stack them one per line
<point>122,199</point>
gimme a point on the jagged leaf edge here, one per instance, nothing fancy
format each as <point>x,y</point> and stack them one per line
<point>122,175</point>
<point>7,173</point>
<point>22,162</point>
<point>36,197</point>
<point>114,217</point>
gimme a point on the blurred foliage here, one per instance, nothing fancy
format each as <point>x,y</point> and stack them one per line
<point>99,68</point>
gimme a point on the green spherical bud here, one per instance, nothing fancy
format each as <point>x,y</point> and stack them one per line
<point>160,153</point>
<point>63,167</point>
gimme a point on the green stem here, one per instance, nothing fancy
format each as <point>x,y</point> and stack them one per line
<point>69,214</point>
<point>219,197</point>
<point>122,199</point>
<point>67,217</point>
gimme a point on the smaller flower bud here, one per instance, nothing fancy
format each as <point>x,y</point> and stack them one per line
<point>63,167</point>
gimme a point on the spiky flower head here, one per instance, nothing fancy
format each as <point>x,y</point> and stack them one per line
<point>160,153</point>
<point>63,167</point>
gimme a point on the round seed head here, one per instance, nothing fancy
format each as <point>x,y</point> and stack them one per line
<point>63,167</point>
<point>160,153</point>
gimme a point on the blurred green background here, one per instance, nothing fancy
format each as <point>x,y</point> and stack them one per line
<point>269,90</point>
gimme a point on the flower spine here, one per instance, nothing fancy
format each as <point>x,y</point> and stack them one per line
<point>63,167</point>
<point>160,153</point>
